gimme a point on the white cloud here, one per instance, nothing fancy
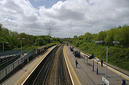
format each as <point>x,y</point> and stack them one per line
<point>64,18</point>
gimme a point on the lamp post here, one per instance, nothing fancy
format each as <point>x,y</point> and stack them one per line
<point>93,65</point>
<point>21,44</point>
<point>38,41</point>
<point>106,72</point>
<point>97,71</point>
<point>4,45</point>
<point>98,42</point>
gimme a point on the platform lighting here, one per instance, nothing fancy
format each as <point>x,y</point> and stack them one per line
<point>4,45</point>
<point>101,42</point>
<point>21,43</point>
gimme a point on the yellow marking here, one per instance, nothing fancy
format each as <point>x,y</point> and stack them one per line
<point>115,71</point>
<point>71,70</point>
<point>119,73</point>
<point>68,70</point>
<point>38,60</point>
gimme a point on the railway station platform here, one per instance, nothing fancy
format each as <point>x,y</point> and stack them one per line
<point>20,76</point>
<point>87,76</point>
<point>83,74</point>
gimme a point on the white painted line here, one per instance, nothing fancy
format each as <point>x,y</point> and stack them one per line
<point>71,69</point>
<point>68,69</point>
<point>18,81</point>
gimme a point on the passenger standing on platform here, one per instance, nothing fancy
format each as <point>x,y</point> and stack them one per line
<point>76,62</point>
<point>102,63</point>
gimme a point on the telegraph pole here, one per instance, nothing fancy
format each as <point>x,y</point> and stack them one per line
<point>49,31</point>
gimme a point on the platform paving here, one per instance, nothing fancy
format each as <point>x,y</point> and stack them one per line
<point>86,74</point>
<point>25,71</point>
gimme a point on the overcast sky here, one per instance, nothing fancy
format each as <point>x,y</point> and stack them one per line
<point>65,18</point>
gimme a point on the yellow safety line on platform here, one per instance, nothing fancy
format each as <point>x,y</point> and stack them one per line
<point>115,71</point>
<point>24,77</point>
<point>73,75</point>
<point>119,73</point>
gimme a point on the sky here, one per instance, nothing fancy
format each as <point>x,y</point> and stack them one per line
<point>63,18</point>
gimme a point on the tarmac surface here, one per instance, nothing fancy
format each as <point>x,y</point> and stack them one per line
<point>82,75</point>
<point>86,74</point>
<point>21,74</point>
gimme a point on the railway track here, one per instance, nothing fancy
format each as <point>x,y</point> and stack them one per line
<point>6,62</point>
<point>52,71</point>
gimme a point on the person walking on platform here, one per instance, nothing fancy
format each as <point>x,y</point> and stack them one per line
<point>76,62</point>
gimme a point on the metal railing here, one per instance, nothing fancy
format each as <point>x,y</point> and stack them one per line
<point>5,71</point>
